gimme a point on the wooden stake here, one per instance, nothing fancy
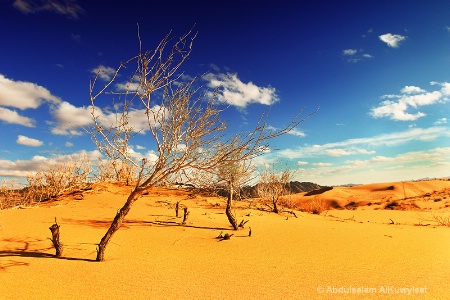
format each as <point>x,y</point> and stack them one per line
<point>55,239</point>
<point>185,215</point>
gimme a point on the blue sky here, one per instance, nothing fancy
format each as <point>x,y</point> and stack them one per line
<point>378,70</point>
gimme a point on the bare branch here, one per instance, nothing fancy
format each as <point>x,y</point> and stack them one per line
<point>186,128</point>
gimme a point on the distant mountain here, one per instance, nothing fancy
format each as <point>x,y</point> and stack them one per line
<point>293,187</point>
<point>348,185</point>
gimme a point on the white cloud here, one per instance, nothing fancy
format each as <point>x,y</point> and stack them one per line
<point>349,51</point>
<point>69,144</point>
<point>21,168</point>
<point>69,8</point>
<point>302,163</point>
<point>411,97</point>
<point>128,87</point>
<point>431,156</point>
<point>392,40</point>
<point>322,164</point>
<point>354,55</point>
<point>441,121</point>
<point>26,141</point>
<point>214,67</point>
<point>23,95</point>
<point>12,117</point>
<point>151,157</point>
<point>412,90</point>
<point>71,119</point>
<point>405,166</point>
<point>235,92</point>
<point>345,152</point>
<point>104,73</point>
<point>297,132</point>
<point>365,145</point>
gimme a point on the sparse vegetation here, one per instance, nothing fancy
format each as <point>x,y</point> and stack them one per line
<point>441,220</point>
<point>316,206</point>
<point>273,183</point>
<point>49,182</point>
<point>234,174</point>
<point>11,195</point>
<point>113,170</point>
<point>186,129</point>
<point>54,180</point>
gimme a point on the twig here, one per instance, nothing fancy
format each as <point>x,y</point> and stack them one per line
<point>181,239</point>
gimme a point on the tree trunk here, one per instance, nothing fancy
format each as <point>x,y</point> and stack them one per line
<point>55,239</point>
<point>116,224</point>
<point>228,212</point>
<point>185,215</point>
<point>275,206</point>
<point>177,207</point>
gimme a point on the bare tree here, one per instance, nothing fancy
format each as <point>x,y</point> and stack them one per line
<point>273,184</point>
<point>186,129</point>
<point>234,175</point>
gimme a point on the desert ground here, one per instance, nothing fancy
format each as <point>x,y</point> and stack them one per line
<point>378,241</point>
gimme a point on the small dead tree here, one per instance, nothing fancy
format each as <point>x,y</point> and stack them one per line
<point>273,184</point>
<point>186,129</point>
<point>231,217</point>
<point>55,239</point>
<point>177,208</point>
<point>234,174</point>
<point>185,215</point>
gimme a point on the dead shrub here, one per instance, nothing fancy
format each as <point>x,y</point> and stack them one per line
<point>54,180</point>
<point>316,206</point>
<point>11,195</point>
<point>115,171</point>
<point>441,220</point>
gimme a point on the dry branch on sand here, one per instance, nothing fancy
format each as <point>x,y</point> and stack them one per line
<point>441,220</point>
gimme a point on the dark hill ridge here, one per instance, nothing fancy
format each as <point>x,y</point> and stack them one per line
<point>293,187</point>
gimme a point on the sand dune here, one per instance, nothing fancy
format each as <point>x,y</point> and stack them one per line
<point>353,253</point>
<point>400,195</point>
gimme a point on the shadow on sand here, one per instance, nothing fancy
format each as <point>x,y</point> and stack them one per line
<point>37,254</point>
<point>25,252</point>
<point>127,224</point>
<point>174,224</point>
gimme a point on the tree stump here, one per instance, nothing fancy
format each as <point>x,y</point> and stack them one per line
<point>55,239</point>
<point>177,207</point>
<point>185,215</point>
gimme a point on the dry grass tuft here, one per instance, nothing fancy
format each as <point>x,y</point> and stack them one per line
<point>316,206</point>
<point>441,220</point>
<point>47,183</point>
<point>10,195</point>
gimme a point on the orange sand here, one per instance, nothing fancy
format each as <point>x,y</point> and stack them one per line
<point>350,254</point>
